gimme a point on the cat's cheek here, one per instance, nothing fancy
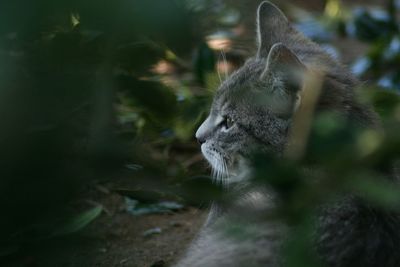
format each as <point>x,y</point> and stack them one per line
<point>203,149</point>
<point>206,152</point>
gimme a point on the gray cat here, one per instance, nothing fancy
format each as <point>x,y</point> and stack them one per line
<point>253,110</point>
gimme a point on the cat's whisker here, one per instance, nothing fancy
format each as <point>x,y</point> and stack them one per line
<point>223,171</point>
<point>214,171</point>
<point>217,168</point>
<point>225,63</point>
<point>223,167</point>
<point>224,178</point>
<point>218,72</point>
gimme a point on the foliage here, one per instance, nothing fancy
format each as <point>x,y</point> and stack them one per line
<point>339,159</point>
<point>77,92</point>
<point>381,29</point>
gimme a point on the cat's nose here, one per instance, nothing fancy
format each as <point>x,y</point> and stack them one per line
<point>201,140</point>
<point>200,137</point>
<point>202,132</point>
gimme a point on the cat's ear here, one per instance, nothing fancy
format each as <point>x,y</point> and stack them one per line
<point>286,74</point>
<point>283,63</point>
<point>272,25</point>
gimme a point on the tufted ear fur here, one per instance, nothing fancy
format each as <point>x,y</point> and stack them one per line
<point>286,73</point>
<point>272,26</point>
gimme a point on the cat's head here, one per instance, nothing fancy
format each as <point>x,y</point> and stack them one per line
<point>252,109</point>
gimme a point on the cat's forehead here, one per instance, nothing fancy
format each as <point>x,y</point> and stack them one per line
<point>240,83</point>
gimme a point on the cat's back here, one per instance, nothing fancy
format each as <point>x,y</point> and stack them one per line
<point>351,233</point>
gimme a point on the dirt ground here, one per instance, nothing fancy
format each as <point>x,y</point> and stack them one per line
<point>118,238</point>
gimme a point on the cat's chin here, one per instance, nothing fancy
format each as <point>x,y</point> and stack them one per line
<point>224,171</point>
<point>218,164</point>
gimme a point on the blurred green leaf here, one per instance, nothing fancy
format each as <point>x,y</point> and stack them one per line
<point>298,249</point>
<point>78,222</point>
<point>385,102</point>
<point>137,208</point>
<point>379,192</point>
<point>373,26</point>
<point>204,62</point>
<point>200,190</point>
<point>138,57</point>
<point>143,93</point>
<point>6,251</point>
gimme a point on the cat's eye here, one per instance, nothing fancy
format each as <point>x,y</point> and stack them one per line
<point>227,123</point>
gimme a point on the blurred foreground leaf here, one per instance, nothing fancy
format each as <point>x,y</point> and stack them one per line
<point>77,223</point>
<point>371,26</point>
<point>137,208</point>
<point>6,251</point>
<point>379,192</point>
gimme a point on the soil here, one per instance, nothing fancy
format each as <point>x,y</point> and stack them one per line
<point>118,238</point>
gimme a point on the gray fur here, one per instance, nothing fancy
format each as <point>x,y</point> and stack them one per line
<point>253,110</point>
